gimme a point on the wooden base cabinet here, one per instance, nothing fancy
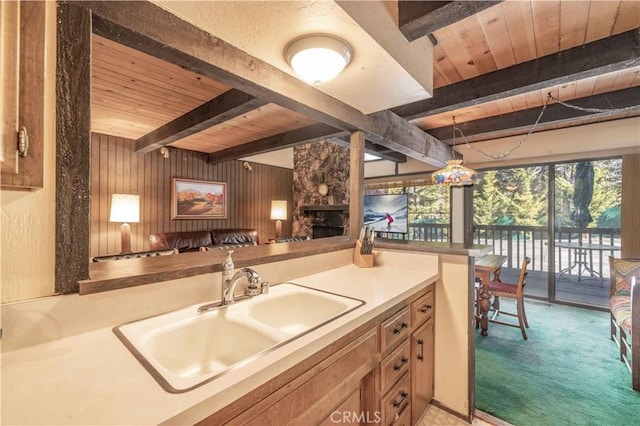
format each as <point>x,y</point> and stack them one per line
<point>380,374</point>
<point>318,397</point>
<point>406,370</point>
<point>347,413</point>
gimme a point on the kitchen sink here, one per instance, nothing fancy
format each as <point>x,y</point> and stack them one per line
<point>200,347</point>
<point>298,311</point>
<point>184,349</point>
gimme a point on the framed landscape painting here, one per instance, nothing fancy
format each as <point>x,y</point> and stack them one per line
<point>198,199</point>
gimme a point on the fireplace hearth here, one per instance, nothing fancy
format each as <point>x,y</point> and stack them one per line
<point>322,231</point>
<point>327,220</point>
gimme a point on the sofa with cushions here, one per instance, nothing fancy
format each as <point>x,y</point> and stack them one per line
<point>624,304</point>
<point>187,241</point>
<point>135,255</point>
<point>292,239</point>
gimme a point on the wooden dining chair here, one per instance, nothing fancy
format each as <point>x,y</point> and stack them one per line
<point>514,291</point>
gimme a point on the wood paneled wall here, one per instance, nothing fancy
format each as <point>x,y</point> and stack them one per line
<point>117,168</point>
<point>630,221</point>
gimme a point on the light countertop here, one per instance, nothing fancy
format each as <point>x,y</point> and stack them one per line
<point>91,378</point>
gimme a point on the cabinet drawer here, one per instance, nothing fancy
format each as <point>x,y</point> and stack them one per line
<point>422,308</point>
<point>395,330</point>
<point>397,401</point>
<point>395,365</point>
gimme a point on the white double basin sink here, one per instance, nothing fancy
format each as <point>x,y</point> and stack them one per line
<point>185,349</point>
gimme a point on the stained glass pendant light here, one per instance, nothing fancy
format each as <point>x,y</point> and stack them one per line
<point>454,173</point>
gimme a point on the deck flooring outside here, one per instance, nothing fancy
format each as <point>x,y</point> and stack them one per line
<point>588,291</point>
<point>570,288</point>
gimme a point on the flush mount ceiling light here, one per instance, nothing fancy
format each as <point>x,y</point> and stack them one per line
<point>318,58</point>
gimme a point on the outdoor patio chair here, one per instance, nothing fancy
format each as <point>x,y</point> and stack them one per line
<point>514,291</point>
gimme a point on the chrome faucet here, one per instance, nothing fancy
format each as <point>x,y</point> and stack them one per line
<point>253,289</point>
<point>256,287</point>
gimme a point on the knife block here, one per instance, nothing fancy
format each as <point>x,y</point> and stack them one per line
<point>362,260</point>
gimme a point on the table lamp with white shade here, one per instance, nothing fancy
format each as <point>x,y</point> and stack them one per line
<point>125,209</point>
<point>278,213</point>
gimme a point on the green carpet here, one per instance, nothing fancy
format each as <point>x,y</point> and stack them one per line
<point>567,372</point>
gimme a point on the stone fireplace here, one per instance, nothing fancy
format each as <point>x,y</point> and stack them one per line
<point>317,212</point>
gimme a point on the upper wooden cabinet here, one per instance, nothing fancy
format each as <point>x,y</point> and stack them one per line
<point>22,63</point>
<point>9,52</point>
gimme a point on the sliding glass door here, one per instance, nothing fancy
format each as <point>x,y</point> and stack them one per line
<point>510,214</point>
<point>587,229</point>
<point>564,217</point>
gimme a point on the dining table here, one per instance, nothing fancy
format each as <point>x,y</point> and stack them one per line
<point>485,266</point>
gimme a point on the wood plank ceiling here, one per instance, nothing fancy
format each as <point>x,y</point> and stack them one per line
<point>481,68</point>
<point>516,32</point>
<point>134,93</point>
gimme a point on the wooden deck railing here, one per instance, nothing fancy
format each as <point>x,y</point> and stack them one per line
<point>518,242</point>
<point>421,232</point>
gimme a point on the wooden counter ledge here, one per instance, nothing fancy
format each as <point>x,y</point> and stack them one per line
<point>117,274</point>
<point>105,276</point>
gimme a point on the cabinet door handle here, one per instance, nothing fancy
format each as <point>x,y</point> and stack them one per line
<point>421,353</point>
<point>403,361</point>
<point>402,326</point>
<point>425,309</point>
<point>403,396</point>
<point>23,142</point>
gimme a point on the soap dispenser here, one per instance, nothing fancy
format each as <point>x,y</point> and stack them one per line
<point>227,272</point>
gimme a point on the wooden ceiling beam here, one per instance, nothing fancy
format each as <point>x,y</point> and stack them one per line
<point>421,18</point>
<point>373,149</point>
<point>614,53</point>
<point>228,105</point>
<point>419,144</point>
<point>308,134</point>
<point>520,122</point>
<point>152,30</point>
